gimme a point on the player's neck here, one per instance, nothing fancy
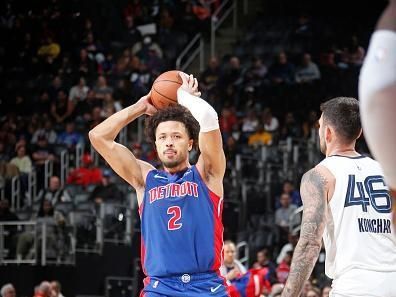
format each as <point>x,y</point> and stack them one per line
<point>342,150</point>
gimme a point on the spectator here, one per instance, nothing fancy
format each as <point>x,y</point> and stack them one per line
<point>79,92</point>
<point>131,35</point>
<point>40,153</point>
<point>55,240</point>
<point>86,66</point>
<point>6,215</point>
<point>283,269</point>
<point>110,106</point>
<point>22,160</point>
<point>45,132</point>
<point>55,87</point>
<point>24,164</point>
<point>69,137</point>
<point>107,190</point>
<point>284,214</point>
<point>231,267</point>
<point>260,137</point>
<point>310,125</point>
<point>62,108</point>
<point>43,290</point>
<point>290,127</point>
<point>56,289</point>
<point>281,72</point>
<point>255,74</point>
<point>354,52</point>
<point>50,49</point>
<point>308,71</point>
<point>263,261</point>
<point>8,290</point>
<point>85,175</point>
<point>285,217</point>
<point>227,121</point>
<point>55,193</point>
<point>288,188</point>
<point>250,123</point>
<point>271,123</point>
<point>43,104</point>
<point>210,76</point>
<point>288,247</point>
<point>232,73</point>
<point>101,88</point>
<point>142,48</point>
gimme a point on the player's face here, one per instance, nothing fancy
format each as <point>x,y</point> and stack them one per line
<point>172,143</point>
<point>322,140</point>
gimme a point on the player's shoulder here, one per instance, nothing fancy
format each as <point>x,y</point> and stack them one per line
<point>319,176</point>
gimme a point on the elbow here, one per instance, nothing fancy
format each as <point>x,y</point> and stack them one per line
<point>94,138</point>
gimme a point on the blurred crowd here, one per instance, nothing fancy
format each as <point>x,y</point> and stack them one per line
<point>44,289</point>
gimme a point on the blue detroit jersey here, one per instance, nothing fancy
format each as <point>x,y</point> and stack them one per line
<point>181,224</point>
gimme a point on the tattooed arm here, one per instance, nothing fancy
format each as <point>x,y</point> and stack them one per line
<point>314,191</point>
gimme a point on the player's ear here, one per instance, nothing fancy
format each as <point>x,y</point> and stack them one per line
<point>190,145</point>
<point>329,133</point>
<point>360,134</point>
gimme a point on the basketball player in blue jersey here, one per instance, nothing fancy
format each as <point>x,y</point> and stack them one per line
<point>346,202</point>
<point>377,95</point>
<point>180,206</point>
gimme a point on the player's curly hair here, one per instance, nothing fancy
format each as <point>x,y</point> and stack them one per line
<point>173,113</point>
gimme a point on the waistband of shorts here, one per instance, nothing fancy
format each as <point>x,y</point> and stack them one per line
<point>189,277</point>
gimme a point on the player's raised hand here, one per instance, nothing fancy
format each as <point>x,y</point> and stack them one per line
<point>146,101</point>
<point>190,84</point>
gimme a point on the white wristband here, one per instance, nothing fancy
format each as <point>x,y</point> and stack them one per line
<point>202,111</point>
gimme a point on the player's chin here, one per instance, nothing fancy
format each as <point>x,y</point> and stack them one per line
<point>170,163</point>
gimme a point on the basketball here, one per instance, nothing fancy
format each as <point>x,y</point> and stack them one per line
<point>164,89</point>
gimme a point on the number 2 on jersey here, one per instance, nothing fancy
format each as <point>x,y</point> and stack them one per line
<point>173,223</point>
<point>378,195</point>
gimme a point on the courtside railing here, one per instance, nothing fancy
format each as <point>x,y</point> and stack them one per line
<point>218,17</point>
<point>193,49</point>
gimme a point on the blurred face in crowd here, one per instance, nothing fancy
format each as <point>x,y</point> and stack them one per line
<point>262,257</point>
<point>62,95</point>
<point>47,207</point>
<point>287,187</point>
<point>10,292</point>
<point>101,81</point>
<point>326,291</point>
<point>306,59</point>
<point>229,253</point>
<point>21,151</point>
<point>55,288</point>
<point>213,63</point>
<point>54,183</point>
<point>285,200</point>
<point>81,82</point>
<point>282,58</point>
<point>234,62</point>
<point>4,205</point>
<point>69,127</point>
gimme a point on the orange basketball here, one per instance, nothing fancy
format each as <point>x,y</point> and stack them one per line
<point>164,89</point>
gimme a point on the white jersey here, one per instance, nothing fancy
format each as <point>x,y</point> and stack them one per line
<point>359,233</point>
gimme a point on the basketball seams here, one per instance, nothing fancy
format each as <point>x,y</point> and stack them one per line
<point>164,89</point>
